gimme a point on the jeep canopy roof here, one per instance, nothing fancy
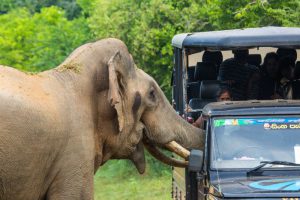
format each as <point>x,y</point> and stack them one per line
<point>252,107</point>
<point>240,38</point>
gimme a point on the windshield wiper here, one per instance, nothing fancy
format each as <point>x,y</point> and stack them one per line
<point>264,163</point>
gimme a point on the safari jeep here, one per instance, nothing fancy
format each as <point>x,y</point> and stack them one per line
<point>252,148</point>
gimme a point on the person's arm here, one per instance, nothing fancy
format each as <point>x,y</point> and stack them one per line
<point>199,122</point>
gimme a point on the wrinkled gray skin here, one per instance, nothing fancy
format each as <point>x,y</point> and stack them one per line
<point>57,127</point>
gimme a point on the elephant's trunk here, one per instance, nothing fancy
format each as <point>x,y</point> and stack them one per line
<point>187,135</point>
<point>173,147</point>
<point>165,125</point>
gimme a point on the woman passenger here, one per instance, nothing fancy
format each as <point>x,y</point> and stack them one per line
<point>223,95</point>
<point>269,77</point>
<point>288,87</point>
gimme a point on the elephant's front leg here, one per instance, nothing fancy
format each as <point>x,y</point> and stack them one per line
<point>72,184</point>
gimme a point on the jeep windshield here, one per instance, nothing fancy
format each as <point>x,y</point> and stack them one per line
<point>244,142</point>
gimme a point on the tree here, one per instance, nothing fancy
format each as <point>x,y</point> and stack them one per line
<point>147,26</point>
<point>255,13</point>
<point>71,8</point>
<point>87,6</point>
<point>35,42</point>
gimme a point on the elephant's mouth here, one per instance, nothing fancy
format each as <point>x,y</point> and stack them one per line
<point>138,157</point>
<point>171,146</point>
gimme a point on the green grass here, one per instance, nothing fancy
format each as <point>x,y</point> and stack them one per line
<point>120,180</point>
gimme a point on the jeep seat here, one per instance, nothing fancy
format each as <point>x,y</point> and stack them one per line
<point>196,104</point>
<point>254,59</point>
<point>209,90</point>
<point>297,70</point>
<point>190,73</point>
<point>192,90</point>
<point>215,57</point>
<point>205,71</point>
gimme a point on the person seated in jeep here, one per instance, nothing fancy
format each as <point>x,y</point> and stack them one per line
<point>223,95</point>
<point>284,52</point>
<point>237,74</point>
<point>268,85</point>
<point>289,88</point>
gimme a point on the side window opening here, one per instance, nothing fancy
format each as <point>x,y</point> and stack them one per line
<point>204,68</point>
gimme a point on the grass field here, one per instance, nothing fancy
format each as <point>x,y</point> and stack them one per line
<point>120,180</point>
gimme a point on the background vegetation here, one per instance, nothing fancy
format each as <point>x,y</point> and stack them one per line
<point>38,35</point>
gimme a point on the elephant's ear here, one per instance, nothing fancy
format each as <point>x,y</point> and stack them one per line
<point>115,85</point>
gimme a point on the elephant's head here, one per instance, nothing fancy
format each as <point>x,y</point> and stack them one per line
<point>144,114</point>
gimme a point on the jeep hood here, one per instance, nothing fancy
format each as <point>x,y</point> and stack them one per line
<point>258,187</point>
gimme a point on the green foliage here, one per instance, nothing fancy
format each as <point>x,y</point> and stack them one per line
<point>87,6</point>
<point>125,168</point>
<point>148,26</point>
<point>111,186</point>
<point>71,8</point>
<point>118,179</point>
<point>35,42</point>
<point>255,13</point>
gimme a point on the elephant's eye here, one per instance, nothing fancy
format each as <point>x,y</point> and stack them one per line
<point>152,95</point>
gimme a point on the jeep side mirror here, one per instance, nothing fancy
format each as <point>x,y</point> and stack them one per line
<point>195,161</point>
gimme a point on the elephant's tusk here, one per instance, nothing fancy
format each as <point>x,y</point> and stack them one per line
<point>155,152</point>
<point>178,149</point>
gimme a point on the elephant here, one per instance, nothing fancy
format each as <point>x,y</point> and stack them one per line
<point>57,127</point>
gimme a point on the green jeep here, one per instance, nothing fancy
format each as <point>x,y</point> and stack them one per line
<point>252,147</point>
